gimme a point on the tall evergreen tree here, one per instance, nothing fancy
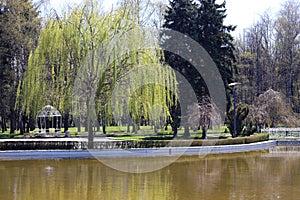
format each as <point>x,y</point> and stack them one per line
<point>19,29</point>
<point>202,21</point>
<point>215,37</point>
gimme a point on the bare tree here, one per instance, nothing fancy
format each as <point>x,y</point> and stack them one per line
<point>256,63</point>
<point>270,109</point>
<point>204,115</point>
<point>288,41</point>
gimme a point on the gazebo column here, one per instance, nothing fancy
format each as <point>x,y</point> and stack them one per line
<point>47,124</point>
<point>39,125</point>
<point>52,126</point>
<point>56,124</point>
<point>44,125</point>
<point>60,124</point>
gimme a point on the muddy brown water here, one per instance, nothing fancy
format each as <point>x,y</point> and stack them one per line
<point>270,174</point>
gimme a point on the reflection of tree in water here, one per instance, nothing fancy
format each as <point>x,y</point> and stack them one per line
<point>227,176</point>
<point>237,176</point>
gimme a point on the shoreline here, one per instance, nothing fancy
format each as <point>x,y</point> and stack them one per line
<point>100,143</point>
<point>139,152</point>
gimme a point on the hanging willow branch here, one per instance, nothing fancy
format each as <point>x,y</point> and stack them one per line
<point>111,46</point>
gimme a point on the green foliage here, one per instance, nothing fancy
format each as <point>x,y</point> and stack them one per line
<point>203,21</point>
<point>54,64</point>
<point>156,142</point>
<point>244,140</point>
<point>19,30</point>
<point>242,111</point>
<point>8,135</point>
<point>99,60</point>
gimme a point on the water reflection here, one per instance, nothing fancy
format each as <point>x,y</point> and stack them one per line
<point>230,176</point>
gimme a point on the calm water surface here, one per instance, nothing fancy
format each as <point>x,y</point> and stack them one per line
<point>255,175</point>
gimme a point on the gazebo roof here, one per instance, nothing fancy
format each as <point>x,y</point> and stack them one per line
<point>49,111</point>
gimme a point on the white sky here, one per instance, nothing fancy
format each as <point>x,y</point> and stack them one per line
<point>242,13</point>
<point>57,4</point>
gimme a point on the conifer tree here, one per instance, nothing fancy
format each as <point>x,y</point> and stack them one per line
<point>202,21</point>
<point>19,30</point>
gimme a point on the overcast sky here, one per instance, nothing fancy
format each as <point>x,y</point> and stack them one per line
<point>242,13</point>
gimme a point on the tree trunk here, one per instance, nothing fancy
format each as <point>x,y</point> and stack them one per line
<point>78,125</point>
<point>27,128</point>
<point>66,122</point>
<point>290,85</point>
<point>104,129</point>
<point>85,126</point>
<point>12,121</point>
<point>174,129</point>
<point>4,127</point>
<point>90,136</point>
<point>134,128</point>
<point>174,126</point>
<point>90,125</point>
<point>31,123</point>
<point>204,132</point>
<point>3,124</point>
<point>103,124</point>
<point>155,129</point>
<point>97,125</point>
<point>186,131</point>
<point>128,128</point>
<point>258,72</point>
<point>22,121</point>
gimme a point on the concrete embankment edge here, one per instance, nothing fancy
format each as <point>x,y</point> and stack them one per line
<point>123,153</point>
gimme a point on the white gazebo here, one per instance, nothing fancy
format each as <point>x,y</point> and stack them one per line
<point>49,118</point>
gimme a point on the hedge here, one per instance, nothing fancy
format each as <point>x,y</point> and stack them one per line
<point>126,144</point>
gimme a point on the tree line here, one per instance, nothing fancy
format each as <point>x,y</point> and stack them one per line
<point>84,63</point>
<point>268,55</point>
<point>68,43</point>
<point>60,46</point>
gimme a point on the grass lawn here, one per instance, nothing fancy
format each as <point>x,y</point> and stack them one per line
<point>120,132</point>
<point>145,137</point>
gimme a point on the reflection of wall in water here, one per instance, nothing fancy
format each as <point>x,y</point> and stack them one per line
<point>230,176</point>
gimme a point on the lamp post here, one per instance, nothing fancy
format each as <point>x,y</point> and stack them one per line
<point>233,85</point>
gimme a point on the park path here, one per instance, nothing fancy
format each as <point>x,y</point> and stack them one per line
<point>59,139</point>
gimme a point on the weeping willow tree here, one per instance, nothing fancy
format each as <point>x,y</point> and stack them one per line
<point>99,65</point>
<point>144,94</point>
<point>136,87</point>
<point>53,65</point>
<point>64,43</point>
<point>123,78</point>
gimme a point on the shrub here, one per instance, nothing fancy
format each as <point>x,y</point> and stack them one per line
<point>242,111</point>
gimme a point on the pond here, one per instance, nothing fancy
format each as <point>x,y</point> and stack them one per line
<point>270,174</point>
